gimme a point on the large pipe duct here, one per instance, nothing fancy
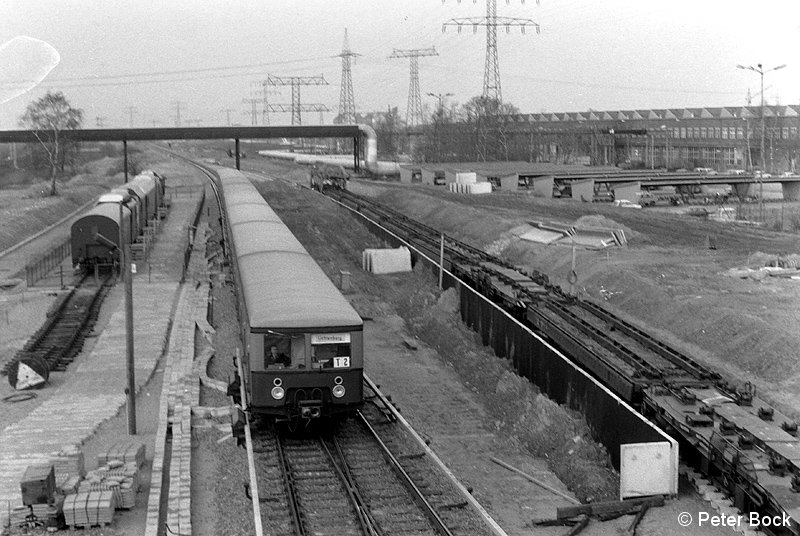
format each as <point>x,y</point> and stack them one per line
<point>371,162</point>
<point>370,147</point>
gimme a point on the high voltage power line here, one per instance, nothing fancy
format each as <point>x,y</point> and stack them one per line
<point>107,80</point>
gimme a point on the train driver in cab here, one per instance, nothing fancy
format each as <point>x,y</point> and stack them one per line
<point>274,357</point>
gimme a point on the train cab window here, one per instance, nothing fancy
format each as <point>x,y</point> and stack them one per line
<point>284,352</point>
<point>330,350</point>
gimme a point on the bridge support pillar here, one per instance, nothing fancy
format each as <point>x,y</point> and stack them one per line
<point>237,153</point>
<point>543,186</point>
<point>355,154</point>
<point>791,191</point>
<point>741,189</point>
<point>125,159</point>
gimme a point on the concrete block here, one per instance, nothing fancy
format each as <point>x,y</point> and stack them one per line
<point>387,261</point>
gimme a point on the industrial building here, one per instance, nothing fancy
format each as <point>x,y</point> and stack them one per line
<point>718,138</point>
<point>722,139</point>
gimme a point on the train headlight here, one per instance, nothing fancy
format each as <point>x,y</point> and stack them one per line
<point>277,392</point>
<point>338,391</point>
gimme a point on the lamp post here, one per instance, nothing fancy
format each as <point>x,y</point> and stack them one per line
<point>761,72</point>
<point>440,97</point>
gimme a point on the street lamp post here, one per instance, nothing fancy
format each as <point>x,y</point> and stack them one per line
<point>761,72</point>
<point>440,97</point>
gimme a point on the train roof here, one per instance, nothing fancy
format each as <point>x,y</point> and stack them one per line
<point>145,183</point>
<point>114,196</point>
<point>251,211</point>
<point>240,194</point>
<point>106,210</point>
<point>282,285</point>
<point>258,236</point>
<point>288,290</point>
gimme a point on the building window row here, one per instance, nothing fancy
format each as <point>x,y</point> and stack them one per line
<point>731,133</point>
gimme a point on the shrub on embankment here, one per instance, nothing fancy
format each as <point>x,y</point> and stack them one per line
<point>518,409</point>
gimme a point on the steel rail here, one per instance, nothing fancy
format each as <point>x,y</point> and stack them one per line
<point>429,509</point>
<point>667,352</point>
<point>491,524</point>
<point>59,338</point>
<point>368,525</point>
<point>288,484</point>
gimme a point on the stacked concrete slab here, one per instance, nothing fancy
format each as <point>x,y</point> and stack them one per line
<point>386,261</point>
<point>475,188</point>
<point>585,236</point>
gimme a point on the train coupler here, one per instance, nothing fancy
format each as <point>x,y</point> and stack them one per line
<point>310,409</point>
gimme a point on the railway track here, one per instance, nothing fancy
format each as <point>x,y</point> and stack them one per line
<point>61,337</point>
<point>363,478</point>
<point>624,348</point>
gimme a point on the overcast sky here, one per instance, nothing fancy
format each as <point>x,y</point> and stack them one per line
<point>207,55</point>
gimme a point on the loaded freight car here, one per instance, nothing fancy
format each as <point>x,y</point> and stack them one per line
<point>145,187</point>
<point>303,342</point>
<point>95,235</point>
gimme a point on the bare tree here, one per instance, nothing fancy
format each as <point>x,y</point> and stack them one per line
<point>488,121</point>
<point>388,126</point>
<point>47,118</point>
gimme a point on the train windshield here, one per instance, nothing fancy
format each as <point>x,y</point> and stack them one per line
<point>330,350</point>
<point>284,352</point>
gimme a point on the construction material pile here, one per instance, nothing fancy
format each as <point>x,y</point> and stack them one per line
<point>120,478</point>
<point>584,235</point>
<point>57,493</point>
<point>86,509</point>
<point>467,183</point>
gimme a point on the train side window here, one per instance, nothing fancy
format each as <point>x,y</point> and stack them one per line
<point>330,350</point>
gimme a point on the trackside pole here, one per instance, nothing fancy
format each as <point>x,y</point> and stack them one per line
<point>130,391</point>
<point>125,158</point>
<point>441,260</point>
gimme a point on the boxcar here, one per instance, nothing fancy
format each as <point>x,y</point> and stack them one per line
<point>103,220</point>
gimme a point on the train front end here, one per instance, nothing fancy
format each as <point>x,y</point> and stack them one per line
<point>308,374</point>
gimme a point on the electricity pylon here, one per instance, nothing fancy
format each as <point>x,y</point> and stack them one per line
<point>347,106</point>
<point>414,106</point>
<point>491,74</point>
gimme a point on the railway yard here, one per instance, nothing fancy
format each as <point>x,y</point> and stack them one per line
<point>467,405</point>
